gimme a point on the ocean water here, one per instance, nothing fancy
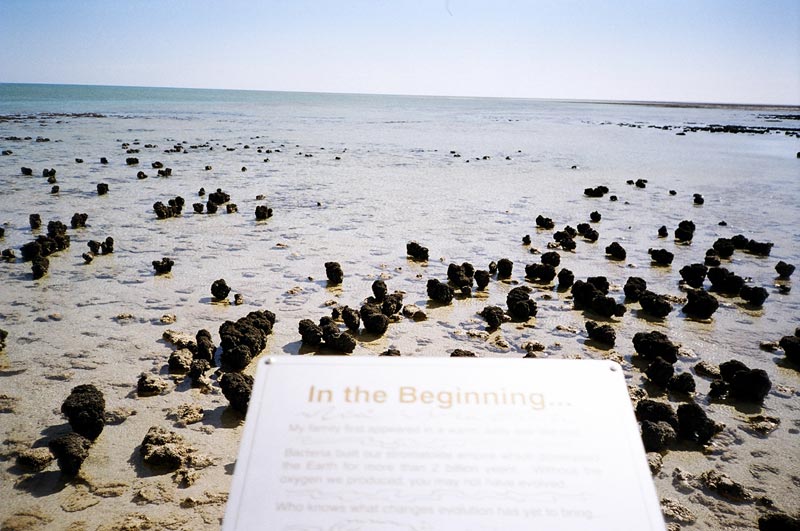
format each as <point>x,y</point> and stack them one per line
<point>352,179</point>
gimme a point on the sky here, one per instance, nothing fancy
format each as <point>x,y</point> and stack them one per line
<point>722,51</point>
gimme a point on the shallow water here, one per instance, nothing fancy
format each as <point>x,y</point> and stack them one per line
<point>396,181</point>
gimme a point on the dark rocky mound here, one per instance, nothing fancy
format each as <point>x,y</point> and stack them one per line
<point>791,347</point>
<point>439,292</point>
<point>779,521</point>
<point>79,220</point>
<point>131,161</point>
<point>85,409</point>
<point>70,450</point>
<point>587,295</point>
<point>337,340</point>
<point>220,289</point>
<point>333,270</point>
<point>657,436</point>
<point>35,221</point>
<point>663,232</point>
<point>26,171</point>
<point>650,410</point>
<point>375,322</point>
<point>520,305</point>
<point>655,304</point>
<point>482,278</point>
<point>724,281</point>
<point>417,252</point>
<point>544,223</point>
<point>595,216</point>
<point>698,199</point>
<point>104,247</point>
<point>540,272</point>
<point>701,304</point>
<point>460,275</point>
<point>660,372</point>
<point>173,208</point>
<point>755,296</point>
<point>585,230</point>
<point>237,388</point>
<point>219,197</point>
<point>551,258</point>
<point>652,345</point>
<point>634,288</point>
<point>784,270</point>
<point>310,332</point>
<point>461,353</point>
<point>597,191</point>
<point>694,425</point>
<point>565,279</point>
<point>351,318</point>
<point>504,268</point>
<point>601,333</point>
<point>742,383</point>
<point>198,207</point>
<point>616,251</point>
<point>724,247</point>
<point>661,256</point>
<point>205,347</point>
<point>759,248</point>
<point>685,231</point>
<point>494,315</point>
<point>244,339</point>
<point>263,212</point>
<point>163,266</point>
<point>102,188</point>
<point>694,274</point>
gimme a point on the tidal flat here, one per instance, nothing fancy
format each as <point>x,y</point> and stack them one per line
<point>353,179</point>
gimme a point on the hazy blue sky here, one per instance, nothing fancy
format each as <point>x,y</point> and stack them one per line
<point>681,50</point>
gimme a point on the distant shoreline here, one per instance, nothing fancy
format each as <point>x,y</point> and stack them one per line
<point>664,104</point>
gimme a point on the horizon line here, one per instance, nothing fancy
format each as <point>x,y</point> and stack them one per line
<point>659,103</point>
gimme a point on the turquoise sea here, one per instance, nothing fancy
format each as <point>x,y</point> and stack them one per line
<point>353,178</point>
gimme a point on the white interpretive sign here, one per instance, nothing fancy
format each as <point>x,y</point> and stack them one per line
<point>431,444</point>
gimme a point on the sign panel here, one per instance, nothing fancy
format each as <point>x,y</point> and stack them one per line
<point>430,444</point>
